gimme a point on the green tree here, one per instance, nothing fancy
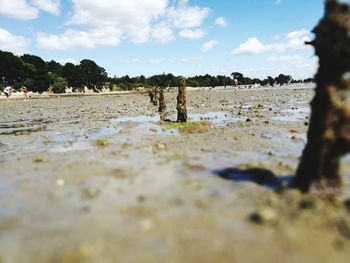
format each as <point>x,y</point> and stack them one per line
<point>73,75</point>
<point>36,73</point>
<point>270,81</point>
<point>93,75</point>
<point>54,67</point>
<point>11,69</point>
<point>58,83</point>
<point>283,79</point>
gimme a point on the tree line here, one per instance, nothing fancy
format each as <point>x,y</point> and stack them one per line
<point>40,76</point>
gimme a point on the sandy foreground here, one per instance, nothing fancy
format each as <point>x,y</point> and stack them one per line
<point>100,179</point>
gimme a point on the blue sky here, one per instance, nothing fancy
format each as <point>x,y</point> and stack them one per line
<point>187,37</point>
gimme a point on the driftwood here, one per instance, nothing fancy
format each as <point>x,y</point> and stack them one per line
<point>329,131</point>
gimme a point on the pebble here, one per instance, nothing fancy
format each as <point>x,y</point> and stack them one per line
<point>265,215</point>
<point>160,146</point>
<point>146,224</point>
<point>60,182</point>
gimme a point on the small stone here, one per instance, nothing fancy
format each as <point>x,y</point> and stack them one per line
<point>160,146</point>
<point>91,192</point>
<point>60,182</point>
<point>146,224</point>
<point>265,215</point>
<point>141,198</point>
<point>102,142</point>
<point>308,203</point>
<point>38,159</point>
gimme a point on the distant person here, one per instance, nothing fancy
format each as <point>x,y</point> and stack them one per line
<point>7,92</point>
<point>25,91</point>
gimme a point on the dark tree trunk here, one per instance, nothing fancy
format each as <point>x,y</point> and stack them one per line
<point>329,131</point>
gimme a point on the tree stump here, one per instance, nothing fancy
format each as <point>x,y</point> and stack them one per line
<point>181,102</point>
<point>329,131</point>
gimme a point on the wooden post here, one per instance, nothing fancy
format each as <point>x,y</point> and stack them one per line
<point>162,105</point>
<point>329,131</point>
<point>181,102</point>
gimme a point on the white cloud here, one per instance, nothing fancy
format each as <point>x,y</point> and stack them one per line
<point>295,58</point>
<point>72,39</point>
<point>209,45</point>
<point>192,33</point>
<point>186,16</point>
<point>162,33</point>
<point>25,9</point>
<point>50,6</point>
<point>221,21</point>
<point>12,43</point>
<point>251,46</point>
<point>292,41</point>
<point>19,9</point>
<point>117,20</point>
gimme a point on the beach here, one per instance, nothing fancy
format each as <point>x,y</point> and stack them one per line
<point>101,179</point>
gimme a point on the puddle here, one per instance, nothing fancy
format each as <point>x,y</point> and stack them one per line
<point>293,115</point>
<point>213,117</point>
<point>22,127</point>
<point>138,119</point>
<point>216,118</point>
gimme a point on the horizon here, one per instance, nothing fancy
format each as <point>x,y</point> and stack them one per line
<point>180,37</point>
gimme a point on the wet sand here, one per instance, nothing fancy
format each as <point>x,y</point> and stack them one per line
<point>100,179</point>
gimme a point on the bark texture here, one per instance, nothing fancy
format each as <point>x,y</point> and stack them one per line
<point>162,104</point>
<point>155,96</point>
<point>181,102</point>
<point>329,131</point>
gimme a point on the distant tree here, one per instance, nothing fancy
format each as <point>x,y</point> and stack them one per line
<point>283,79</point>
<point>11,69</point>
<point>238,76</point>
<point>54,67</point>
<point>309,80</point>
<point>73,75</point>
<point>93,75</point>
<point>36,73</point>
<point>270,81</point>
<point>58,83</point>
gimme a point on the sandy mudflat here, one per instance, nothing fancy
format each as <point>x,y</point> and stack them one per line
<point>99,179</point>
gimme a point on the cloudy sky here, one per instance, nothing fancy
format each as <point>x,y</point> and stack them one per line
<point>188,37</point>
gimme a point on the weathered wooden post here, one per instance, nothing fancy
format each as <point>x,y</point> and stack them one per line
<point>155,96</point>
<point>162,105</point>
<point>181,102</point>
<point>151,95</point>
<point>329,130</point>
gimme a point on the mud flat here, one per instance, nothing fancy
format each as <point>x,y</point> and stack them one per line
<point>100,179</point>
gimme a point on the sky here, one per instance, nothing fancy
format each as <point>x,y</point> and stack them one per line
<point>258,38</point>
